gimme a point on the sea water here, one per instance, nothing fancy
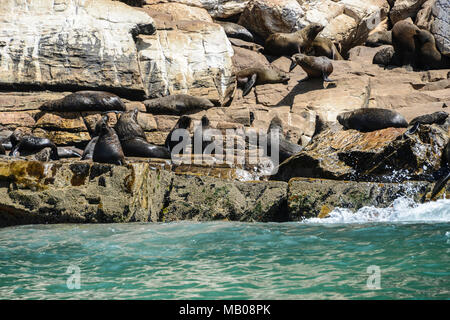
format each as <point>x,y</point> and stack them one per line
<point>401,252</point>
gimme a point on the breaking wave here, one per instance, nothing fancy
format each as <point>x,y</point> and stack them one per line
<point>402,210</point>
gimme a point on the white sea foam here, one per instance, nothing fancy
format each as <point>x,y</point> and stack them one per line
<point>402,210</point>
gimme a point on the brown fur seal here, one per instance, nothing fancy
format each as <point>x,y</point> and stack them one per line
<point>234,30</point>
<point>404,42</point>
<point>24,145</point>
<point>324,47</point>
<point>438,117</point>
<point>286,149</point>
<point>444,172</point>
<point>133,140</point>
<point>256,76</point>
<point>315,67</point>
<point>371,119</point>
<point>201,136</point>
<point>108,148</point>
<point>86,101</point>
<point>379,38</point>
<point>428,56</point>
<point>279,44</point>
<point>175,138</point>
<point>178,104</point>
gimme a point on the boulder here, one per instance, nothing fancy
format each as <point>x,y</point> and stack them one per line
<point>71,44</point>
<point>385,155</point>
<point>194,58</point>
<point>403,9</point>
<point>441,25</point>
<point>178,11</point>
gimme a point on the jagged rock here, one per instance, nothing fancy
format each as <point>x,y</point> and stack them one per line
<point>194,59</point>
<point>317,198</point>
<point>403,9</point>
<point>441,25</point>
<point>244,58</point>
<point>383,155</point>
<point>72,44</point>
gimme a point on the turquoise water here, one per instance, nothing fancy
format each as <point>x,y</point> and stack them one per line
<point>408,244</point>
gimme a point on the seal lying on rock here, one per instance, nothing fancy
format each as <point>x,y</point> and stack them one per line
<point>438,117</point>
<point>133,140</point>
<point>444,171</point>
<point>86,101</point>
<point>371,119</point>
<point>255,76</point>
<point>26,145</point>
<point>379,38</point>
<point>286,149</point>
<point>178,104</point>
<point>234,30</point>
<point>324,47</point>
<point>315,67</point>
<point>108,148</point>
<point>175,137</point>
<point>279,44</point>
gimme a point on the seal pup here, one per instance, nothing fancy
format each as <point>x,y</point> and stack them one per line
<point>286,149</point>
<point>279,44</point>
<point>404,43</point>
<point>315,67</point>
<point>444,171</point>
<point>26,145</point>
<point>86,101</point>
<point>234,30</point>
<point>108,148</point>
<point>133,140</point>
<point>324,47</point>
<point>428,56</point>
<point>255,76</point>
<point>371,119</point>
<point>438,117</point>
<point>64,153</point>
<point>171,141</point>
<point>178,104</point>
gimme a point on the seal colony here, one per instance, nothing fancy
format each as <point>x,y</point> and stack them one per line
<point>412,47</point>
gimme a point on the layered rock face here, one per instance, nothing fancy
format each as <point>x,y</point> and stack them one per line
<point>81,192</point>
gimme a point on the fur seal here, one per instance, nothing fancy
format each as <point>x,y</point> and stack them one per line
<point>286,149</point>
<point>178,104</point>
<point>183,123</point>
<point>256,76</point>
<point>403,40</point>
<point>324,47</point>
<point>26,145</point>
<point>108,148</point>
<point>444,171</point>
<point>315,67</point>
<point>438,117</point>
<point>379,38</point>
<point>234,30</point>
<point>201,134</point>
<point>371,119</point>
<point>133,140</point>
<point>86,101</point>
<point>2,150</point>
<point>279,44</point>
<point>428,56</point>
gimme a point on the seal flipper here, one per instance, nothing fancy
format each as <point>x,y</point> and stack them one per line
<point>440,184</point>
<point>293,65</point>
<point>325,78</point>
<point>250,83</point>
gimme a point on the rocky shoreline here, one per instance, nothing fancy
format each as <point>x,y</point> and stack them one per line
<point>148,49</point>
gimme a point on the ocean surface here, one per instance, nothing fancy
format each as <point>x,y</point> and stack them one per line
<point>402,252</point>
